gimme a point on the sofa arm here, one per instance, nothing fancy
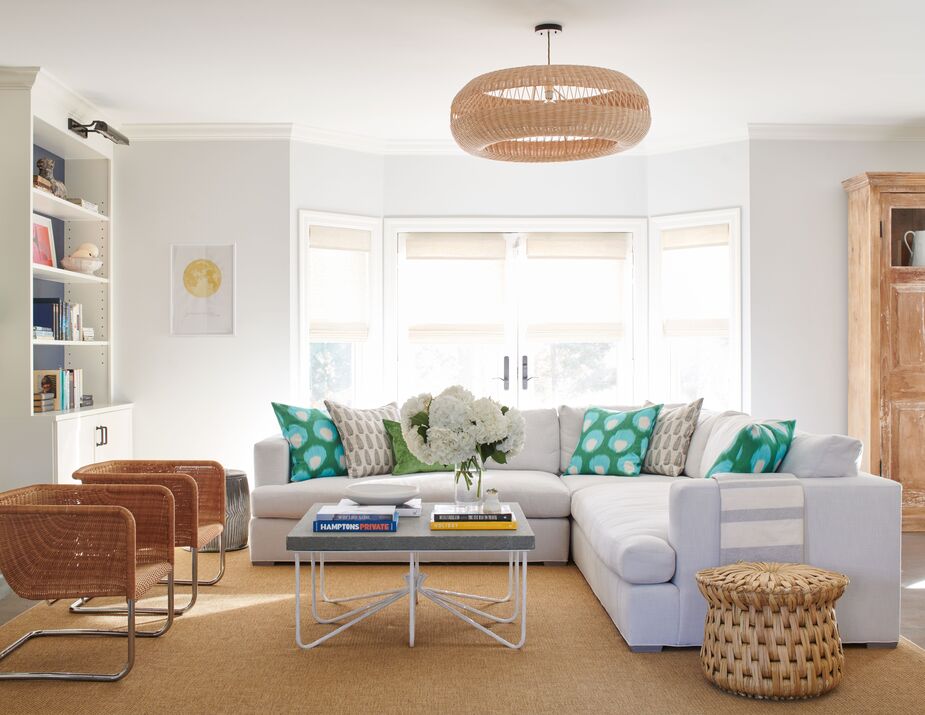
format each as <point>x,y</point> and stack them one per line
<point>271,462</point>
<point>693,533</point>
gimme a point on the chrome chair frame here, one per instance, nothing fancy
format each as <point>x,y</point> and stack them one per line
<point>129,634</point>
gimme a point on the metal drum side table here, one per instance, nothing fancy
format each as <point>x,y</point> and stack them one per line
<point>237,512</point>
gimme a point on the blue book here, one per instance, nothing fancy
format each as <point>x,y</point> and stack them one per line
<point>355,526</point>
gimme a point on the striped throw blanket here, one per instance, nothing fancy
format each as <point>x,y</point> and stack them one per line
<point>761,518</point>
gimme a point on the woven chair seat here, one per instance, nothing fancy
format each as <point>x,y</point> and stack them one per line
<point>770,630</point>
<point>148,575</point>
<point>207,532</point>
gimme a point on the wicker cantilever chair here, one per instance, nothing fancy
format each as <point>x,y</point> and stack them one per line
<point>198,488</point>
<point>69,541</point>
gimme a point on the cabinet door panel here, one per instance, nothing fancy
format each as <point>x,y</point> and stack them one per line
<point>75,440</point>
<point>907,334</point>
<point>117,435</point>
<point>908,459</point>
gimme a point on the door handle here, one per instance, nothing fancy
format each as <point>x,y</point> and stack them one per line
<point>506,379</point>
<point>524,374</point>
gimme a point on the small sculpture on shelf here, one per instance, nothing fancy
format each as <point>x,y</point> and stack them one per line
<point>84,260</point>
<point>46,180</point>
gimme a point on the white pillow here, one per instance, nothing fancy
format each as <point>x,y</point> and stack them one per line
<point>705,425</point>
<point>823,455</point>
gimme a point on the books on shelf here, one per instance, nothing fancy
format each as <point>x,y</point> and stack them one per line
<point>65,320</point>
<point>41,333</point>
<point>43,402</point>
<point>64,387</point>
<point>449,517</point>
<point>353,517</point>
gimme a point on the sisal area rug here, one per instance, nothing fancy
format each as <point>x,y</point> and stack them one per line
<point>235,653</point>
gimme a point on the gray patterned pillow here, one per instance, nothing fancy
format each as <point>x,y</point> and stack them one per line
<point>671,438</point>
<point>366,443</point>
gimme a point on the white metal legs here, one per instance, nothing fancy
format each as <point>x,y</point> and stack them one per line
<point>414,588</point>
<point>517,581</point>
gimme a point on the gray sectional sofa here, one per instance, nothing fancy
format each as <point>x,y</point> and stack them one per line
<point>638,541</point>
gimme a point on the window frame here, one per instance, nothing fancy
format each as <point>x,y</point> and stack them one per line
<point>732,218</point>
<point>368,376</point>
<point>637,227</point>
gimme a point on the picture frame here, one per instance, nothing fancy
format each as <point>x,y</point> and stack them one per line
<point>202,289</point>
<point>43,242</point>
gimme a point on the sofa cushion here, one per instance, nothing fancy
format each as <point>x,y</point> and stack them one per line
<point>541,443</point>
<point>574,482</point>
<point>823,455</point>
<point>671,438</point>
<point>315,448</point>
<point>570,423</point>
<point>627,527</point>
<point>366,442</point>
<point>743,445</point>
<point>705,424</point>
<point>405,461</point>
<point>541,495</point>
<point>613,442</point>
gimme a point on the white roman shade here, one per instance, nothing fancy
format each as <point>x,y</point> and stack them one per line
<point>575,332</point>
<point>456,333</point>
<point>338,284</point>
<point>447,246</point>
<point>612,246</point>
<point>695,237</point>
<point>695,327</point>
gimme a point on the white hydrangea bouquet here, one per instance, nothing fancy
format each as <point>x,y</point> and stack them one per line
<point>456,428</point>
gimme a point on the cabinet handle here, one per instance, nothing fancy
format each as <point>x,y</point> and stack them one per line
<point>99,442</point>
<point>105,434</point>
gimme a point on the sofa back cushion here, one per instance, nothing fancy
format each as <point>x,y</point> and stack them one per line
<point>823,455</point>
<point>366,443</point>
<point>570,424</point>
<point>541,444</point>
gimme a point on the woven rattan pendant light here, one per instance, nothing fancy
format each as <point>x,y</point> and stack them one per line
<point>549,112</point>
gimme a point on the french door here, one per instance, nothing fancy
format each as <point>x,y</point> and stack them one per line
<point>533,318</point>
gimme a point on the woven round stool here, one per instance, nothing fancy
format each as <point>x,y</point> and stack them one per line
<point>770,630</point>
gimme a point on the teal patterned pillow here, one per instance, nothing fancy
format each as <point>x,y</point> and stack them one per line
<point>757,448</point>
<point>315,449</point>
<point>613,442</point>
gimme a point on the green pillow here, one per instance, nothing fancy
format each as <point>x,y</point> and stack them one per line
<point>758,448</point>
<point>613,442</point>
<point>315,449</point>
<point>405,462</point>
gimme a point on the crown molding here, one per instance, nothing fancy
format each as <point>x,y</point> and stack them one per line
<point>217,132</point>
<point>18,77</point>
<point>837,132</point>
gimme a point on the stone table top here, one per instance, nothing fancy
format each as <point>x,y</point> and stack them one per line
<point>413,534</point>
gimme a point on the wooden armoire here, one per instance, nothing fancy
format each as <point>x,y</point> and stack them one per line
<point>886,330</point>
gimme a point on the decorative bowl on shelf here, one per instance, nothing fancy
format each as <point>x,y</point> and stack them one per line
<point>82,265</point>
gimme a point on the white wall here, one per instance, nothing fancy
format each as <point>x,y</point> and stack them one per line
<point>204,397</point>
<point>467,186</point>
<point>799,274</point>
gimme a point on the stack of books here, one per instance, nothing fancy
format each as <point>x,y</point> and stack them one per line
<point>43,402</point>
<point>449,517</point>
<point>65,320</point>
<point>355,518</point>
<point>64,386</point>
<point>40,332</point>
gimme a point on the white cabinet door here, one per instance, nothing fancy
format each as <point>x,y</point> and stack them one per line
<point>75,444</point>
<point>114,439</point>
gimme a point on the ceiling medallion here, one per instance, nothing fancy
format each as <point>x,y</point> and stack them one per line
<point>542,113</point>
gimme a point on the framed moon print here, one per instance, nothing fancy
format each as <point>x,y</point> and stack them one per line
<point>202,281</point>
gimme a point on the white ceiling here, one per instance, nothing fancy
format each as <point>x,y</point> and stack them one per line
<point>387,70</point>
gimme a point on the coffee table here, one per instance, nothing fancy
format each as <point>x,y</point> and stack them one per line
<point>414,537</point>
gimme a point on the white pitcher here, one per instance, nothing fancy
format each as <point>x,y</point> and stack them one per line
<point>917,249</point>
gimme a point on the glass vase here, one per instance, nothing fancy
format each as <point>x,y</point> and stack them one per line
<point>468,483</point>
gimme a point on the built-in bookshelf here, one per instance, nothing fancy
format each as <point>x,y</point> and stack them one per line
<point>47,446</point>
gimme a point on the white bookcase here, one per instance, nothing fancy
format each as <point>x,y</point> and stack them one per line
<point>46,447</point>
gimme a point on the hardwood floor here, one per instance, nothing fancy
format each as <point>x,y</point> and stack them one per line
<point>912,625</point>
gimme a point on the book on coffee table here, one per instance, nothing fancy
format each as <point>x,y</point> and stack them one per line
<point>452,512</point>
